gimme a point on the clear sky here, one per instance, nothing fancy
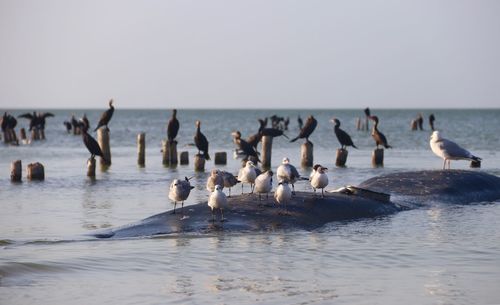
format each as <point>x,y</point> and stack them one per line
<point>249,54</point>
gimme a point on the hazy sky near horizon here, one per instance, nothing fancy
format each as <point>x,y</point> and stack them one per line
<point>249,54</point>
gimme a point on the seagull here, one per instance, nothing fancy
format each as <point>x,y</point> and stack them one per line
<point>377,135</point>
<point>320,179</point>
<point>217,200</point>
<point>288,173</point>
<point>229,180</point>
<point>214,179</point>
<point>449,150</point>
<point>264,183</point>
<point>179,191</point>
<point>342,136</point>
<point>283,194</point>
<point>247,174</point>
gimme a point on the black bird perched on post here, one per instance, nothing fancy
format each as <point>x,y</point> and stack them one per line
<point>106,116</point>
<point>244,146</point>
<point>342,136</point>
<point>308,128</point>
<point>431,121</point>
<point>272,132</point>
<point>173,126</point>
<point>37,120</point>
<point>91,143</point>
<point>377,135</point>
<point>201,142</point>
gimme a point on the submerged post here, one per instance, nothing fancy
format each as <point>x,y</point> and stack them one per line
<point>199,163</point>
<point>16,171</point>
<point>341,157</point>
<point>475,164</point>
<point>267,146</point>
<point>378,157</point>
<point>220,158</point>
<point>413,125</point>
<point>91,167</point>
<point>22,135</point>
<point>169,149</point>
<point>103,140</point>
<point>184,158</point>
<point>35,171</point>
<point>306,153</point>
<point>141,149</point>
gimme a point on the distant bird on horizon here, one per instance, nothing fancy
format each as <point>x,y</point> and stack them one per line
<point>449,150</point>
<point>173,126</point>
<point>307,130</point>
<point>106,116</point>
<point>37,120</point>
<point>179,191</point>
<point>431,121</point>
<point>378,136</point>
<point>342,136</point>
<point>201,141</point>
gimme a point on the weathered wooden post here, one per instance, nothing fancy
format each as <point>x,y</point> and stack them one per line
<point>341,157</point>
<point>42,134</point>
<point>378,157</point>
<point>367,124</point>
<point>306,153</point>
<point>267,146</point>
<point>35,171</point>
<point>16,171</point>
<point>169,149</point>
<point>413,125</point>
<point>184,158</point>
<point>220,158</point>
<point>475,164</point>
<point>22,135</point>
<point>13,136</point>
<point>359,124</point>
<point>91,167</point>
<point>103,140</point>
<point>141,149</point>
<point>199,163</point>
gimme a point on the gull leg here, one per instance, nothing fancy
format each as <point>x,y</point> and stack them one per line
<point>175,204</point>
<point>444,164</point>
<point>222,219</point>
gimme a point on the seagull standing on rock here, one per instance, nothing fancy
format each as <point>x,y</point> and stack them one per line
<point>319,180</point>
<point>449,150</point>
<point>179,191</point>
<point>217,200</point>
<point>283,193</point>
<point>287,172</point>
<point>247,174</point>
<point>264,183</point>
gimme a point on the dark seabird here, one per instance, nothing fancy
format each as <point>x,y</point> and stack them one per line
<point>342,136</point>
<point>254,139</point>
<point>84,122</point>
<point>367,112</point>
<point>272,132</point>
<point>74,122</point>
<point>308,128</point>
<point>377,135</point>
<point>67,125</point>
<point>244,146</point>
<point>106,116</point>
<point>173,126</point>
<point>37,120</point>
<point>431,121</point>
<point>201,142</point>
<point>299,121</point>
<point>420,121</point>
<point>91,144</point>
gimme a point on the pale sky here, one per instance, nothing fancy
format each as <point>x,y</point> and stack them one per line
<point>249,54</point>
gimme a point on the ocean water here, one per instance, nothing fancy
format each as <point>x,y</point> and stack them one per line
<point>440,254</point>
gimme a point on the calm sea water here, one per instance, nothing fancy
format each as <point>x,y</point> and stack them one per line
<point>442,254</point>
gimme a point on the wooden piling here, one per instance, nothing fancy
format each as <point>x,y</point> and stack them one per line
<point>22,135</point>
<point>220,158</point>
<point>378,157</point>
<point>35,171</point>
<point>42,134</point>
<point>267,146</point>
<point>141,149</point>
<point>413,125</point>
<point>16,171</point>
<point>367,124</point>
<point>169,149</point>
<point>341,157</point>
<point>306,153</point>
<point>359,124</point>
<point>91,167</point>
<point>199,163</point>
<point>475,164</point>
<point>184,158</point>
<point>103,140</point>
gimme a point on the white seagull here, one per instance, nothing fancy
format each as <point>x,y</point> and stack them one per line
<point>247,174</point>
<point>283,194</point>
<point>449,150</point>
<point>214,179</point>
<point>287,172</point>
<point>217,200</point>
<point>320,179</point>
<point>179,191</point>
<point>264,183</point>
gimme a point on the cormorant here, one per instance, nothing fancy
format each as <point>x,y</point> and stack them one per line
<point>37,120</point>
<point>106,116</point>
<point>91,144</point>
<point>377,135</point>
<point>243,145</point>
<point>173,126</point>
<point>201,142</point>
<point>308,128</point>
<point>342,136</point>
